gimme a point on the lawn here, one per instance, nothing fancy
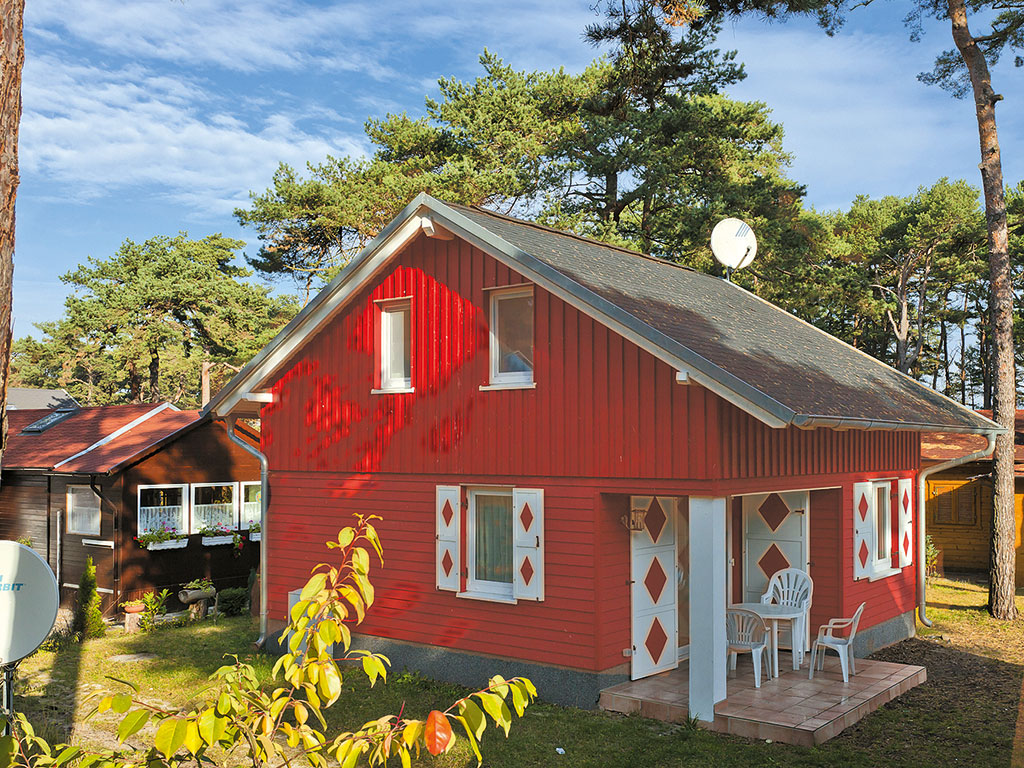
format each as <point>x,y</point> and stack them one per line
<point>965,715</point>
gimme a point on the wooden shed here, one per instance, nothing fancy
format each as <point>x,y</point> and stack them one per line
<point>81,482</point>
<point>582,455</point>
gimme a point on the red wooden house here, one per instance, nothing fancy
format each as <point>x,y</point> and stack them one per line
<point>581,455</point>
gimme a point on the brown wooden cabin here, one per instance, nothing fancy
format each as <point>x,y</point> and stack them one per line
<point>73,479</point>
<point>959,500</point>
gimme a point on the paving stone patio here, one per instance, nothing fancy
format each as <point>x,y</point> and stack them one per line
<point>789,709</point>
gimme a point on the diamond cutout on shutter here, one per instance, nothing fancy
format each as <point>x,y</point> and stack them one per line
<point>772,561</point>
<point>655,580</point>
<point>906,543</point>
<point>656,641</point>
<point>863,554</point>
<point>526,571</point>
<point>447,563</point>
<point>906,499</point>
<point>447,513</point>
<point>863,507</point>
<point>526,517</point>
<point>655,520</point>
<point>774,511</point>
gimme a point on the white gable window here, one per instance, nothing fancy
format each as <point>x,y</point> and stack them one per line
<point>396,346</point>
<point>83,510</point>
<point>512,337</point>
<point>873,541</point>
<point>163,507</point>
<point>214,506</point>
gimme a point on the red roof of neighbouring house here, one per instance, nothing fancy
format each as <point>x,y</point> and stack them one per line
<point>942,446</point>
<point>90,440</point>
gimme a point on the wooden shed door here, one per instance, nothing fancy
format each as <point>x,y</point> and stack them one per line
<point>653,590</point>
<point>774,537</point>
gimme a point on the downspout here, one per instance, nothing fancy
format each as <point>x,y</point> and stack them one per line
<point>921,478</point>
<point>264,502</point>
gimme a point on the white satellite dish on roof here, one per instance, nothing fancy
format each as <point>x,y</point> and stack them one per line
<point>733,243</point>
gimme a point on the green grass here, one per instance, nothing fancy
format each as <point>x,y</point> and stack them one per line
<point>964,715</point>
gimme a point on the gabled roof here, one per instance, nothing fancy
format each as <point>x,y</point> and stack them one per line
<point>92,440</point>
<point>941,446</point>
<point>757,356</point>
<point>26,398</point>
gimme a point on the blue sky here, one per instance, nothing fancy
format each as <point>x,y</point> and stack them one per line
<point>148,117</point>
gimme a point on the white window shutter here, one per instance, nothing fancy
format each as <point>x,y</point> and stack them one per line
<point>449,525</point>
<point>528,558</point>
<point>905,490</point>
<point>863,528</point>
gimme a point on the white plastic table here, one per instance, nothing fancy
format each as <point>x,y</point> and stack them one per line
<point>774,613</point>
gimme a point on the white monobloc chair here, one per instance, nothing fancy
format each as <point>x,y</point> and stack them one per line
<point>746,632</point>
<point>841,645</point>
<point>794,588</point>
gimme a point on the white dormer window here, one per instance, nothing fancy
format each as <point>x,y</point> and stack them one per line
<point>512,337</point>
<point>396,346</point>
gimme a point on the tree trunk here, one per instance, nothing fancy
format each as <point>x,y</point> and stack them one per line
<point>12,58</point>
<point>1002,565</point>
<point>154,375</point>
<point>205,382</point>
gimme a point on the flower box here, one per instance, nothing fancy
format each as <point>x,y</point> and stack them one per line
<point>255,535</point>
<point>169,544</point>
<point>216,541</point>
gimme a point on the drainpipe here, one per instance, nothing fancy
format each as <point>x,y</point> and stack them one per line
<point>264,502</point>
<point>921,478</point>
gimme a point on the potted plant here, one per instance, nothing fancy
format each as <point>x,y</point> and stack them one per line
<point>133,606</point>
<point>255,532</point>
<point>195,590</point>
<point>164,537</point>
<point>215,534</point>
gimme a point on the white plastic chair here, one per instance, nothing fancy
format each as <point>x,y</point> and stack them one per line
<point>794,588</point>
<point>841,645</point>
<point>746,632</point>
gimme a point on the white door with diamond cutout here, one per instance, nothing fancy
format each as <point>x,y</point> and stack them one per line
<point>653,587</point>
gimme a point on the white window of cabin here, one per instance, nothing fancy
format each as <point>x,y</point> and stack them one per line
<point>396,345</point>
<point>214,508</point>
<point>489,543</point>
<point>252,508</point>
<point>163,506</point>
<point>883,527</point>
<point>512,336</point>
<point>83,511</point>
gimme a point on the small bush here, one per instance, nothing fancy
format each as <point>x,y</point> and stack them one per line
<point>25,541</point>
<point>88,616</point>
<point>232,601</point>
<point>156,606</point>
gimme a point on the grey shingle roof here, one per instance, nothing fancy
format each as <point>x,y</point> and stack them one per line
<point>26,398</point>
<point>793,363</point>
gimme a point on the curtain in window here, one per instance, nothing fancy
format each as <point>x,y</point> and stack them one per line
<point>84,511</point>
<point>494,538</point>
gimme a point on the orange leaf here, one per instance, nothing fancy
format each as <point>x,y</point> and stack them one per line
<point>437,733</point>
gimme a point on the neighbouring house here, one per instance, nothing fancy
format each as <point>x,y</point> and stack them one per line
<point>581,455</point>
<point>959,500</point>
<point>80,482</point>
<point>29,398</point>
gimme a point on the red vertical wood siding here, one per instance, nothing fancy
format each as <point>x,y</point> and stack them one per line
<point>605,420</point>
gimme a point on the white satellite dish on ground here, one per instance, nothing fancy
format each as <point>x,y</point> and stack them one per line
<point>28,601</point>
<point>733,243</point>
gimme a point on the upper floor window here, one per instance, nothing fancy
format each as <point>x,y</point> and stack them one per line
<point>396,345</point>
<point>512,336</point>
<point>83,511</point>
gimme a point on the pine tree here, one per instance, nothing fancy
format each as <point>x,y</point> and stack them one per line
<point>88,616</point>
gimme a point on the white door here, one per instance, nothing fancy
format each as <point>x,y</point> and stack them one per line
<point>653,589</point>
<point>774,537</point>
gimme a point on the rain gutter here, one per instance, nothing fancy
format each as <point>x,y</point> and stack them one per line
<point>923,475</point>
<point>264,503</point>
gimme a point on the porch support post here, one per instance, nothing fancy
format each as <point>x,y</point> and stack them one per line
<point>707,605</point>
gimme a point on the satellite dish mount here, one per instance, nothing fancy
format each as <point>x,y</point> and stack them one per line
<point>734,245</point>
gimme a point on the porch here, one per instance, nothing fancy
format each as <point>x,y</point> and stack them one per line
<point>789,708</point>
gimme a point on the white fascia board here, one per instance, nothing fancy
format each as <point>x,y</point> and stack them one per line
<point>118,432</point>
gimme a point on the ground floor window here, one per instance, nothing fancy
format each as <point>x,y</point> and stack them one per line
<point>252,507</point>
<point>489,545</point>
<point>83,510</point>
<point>162,507</point>
<point>213,508</point>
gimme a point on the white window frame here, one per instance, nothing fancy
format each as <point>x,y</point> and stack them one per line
<point>185,512</point>
<point>508,379</point>
<point>389,382</point>
<point>243,525</point>
<point>483,588</point>
<point>193,527</point>
<point>881,567</point>
<point>68,496</point>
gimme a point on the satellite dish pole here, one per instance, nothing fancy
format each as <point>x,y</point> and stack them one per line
<point>734,245</point>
